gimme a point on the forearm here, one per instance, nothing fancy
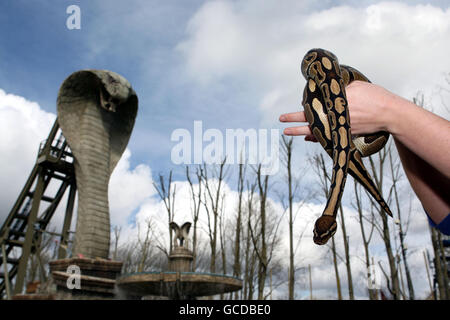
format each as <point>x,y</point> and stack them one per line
<point>422,132</point>
<point>431,187</point>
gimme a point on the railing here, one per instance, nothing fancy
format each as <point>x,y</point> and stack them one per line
<point>59,149</point>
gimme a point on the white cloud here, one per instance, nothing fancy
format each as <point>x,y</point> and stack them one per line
<point>402,47</point>
<point>23,126</point>
<point>128,189</point>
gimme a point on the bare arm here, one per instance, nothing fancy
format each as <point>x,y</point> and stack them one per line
<point>373,108</point>
<point>430,186</point>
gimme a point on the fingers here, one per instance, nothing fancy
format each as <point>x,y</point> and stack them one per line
<point>293,117</point>
<point>298,131</point>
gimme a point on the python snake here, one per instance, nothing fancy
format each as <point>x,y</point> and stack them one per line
<point>325,106</point>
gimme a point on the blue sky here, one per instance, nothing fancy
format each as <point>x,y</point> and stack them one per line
<point>42,52</point>
<point>39,52</point>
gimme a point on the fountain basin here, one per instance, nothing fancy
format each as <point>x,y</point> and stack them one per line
<point>178,285</point>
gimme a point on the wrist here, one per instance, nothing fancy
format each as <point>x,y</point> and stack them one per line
<point>395,113</point>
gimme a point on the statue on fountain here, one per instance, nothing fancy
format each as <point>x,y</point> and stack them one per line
<point>181,234</point>
<point>180,258</point>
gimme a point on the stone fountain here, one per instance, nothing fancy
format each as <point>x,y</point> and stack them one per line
<point>179,282</point>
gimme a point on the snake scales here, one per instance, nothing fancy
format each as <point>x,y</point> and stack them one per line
<point>325,106</point>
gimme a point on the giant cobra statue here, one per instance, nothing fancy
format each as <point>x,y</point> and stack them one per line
<point>96,113</point>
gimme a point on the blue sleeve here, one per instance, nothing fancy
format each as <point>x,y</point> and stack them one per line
<point>443,226</point>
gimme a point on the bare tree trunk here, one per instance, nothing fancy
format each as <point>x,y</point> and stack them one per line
<point>310,283</point>
<point>347,256</point>
<point>196,200</point>
<point>395,178</point>
<point>214,200</point>
<point>247,264</point>
<point>336,270</point>
<point>237,240</point>
<point>117,230</point>
<point>144,247</point>
<point>428,272</point>
<point>439,272</point>
<point>395,285</point>
<point>248,273</point>
<point>168,197</point>
<point>444,266</point>
<point>262,266</point>
<point>251,276</point>
<point>222,243</point>
<point>385,233</point>
<point>287,144</point>
<point>366,240</point>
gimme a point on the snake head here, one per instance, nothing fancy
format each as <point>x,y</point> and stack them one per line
<point>324,229</point>
<point>108,102</point>
<point>313,55</point>
<point>114,91</point>
<point>307,60</point>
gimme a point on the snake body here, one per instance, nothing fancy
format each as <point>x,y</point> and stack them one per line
<point>325,106</point>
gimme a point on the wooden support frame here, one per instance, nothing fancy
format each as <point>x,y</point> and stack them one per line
<point>25,223</point>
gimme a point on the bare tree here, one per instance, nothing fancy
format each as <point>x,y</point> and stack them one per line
<point>336,269</point>
<point>139,254</point>
<point>42,255</point>
<point>378,175</point>
<point>365,237</point>
<point>396,176</point>
<point>144,246</point>
<point>347,255</point>
<point>262,253</point>
<point>196,203</point>
<point>222,227</point>
<point>287,148</point>
<point>264,232</point>
<point>116,232</point>
<point>212,204</point>
<point>440,266</point>
<point>238,230</point>
<point>250,255</point>
<point>445,266</point>
<point>293,194</point>
<point>167,195</point>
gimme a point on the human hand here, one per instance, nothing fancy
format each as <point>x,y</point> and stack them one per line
<point>369,106</point>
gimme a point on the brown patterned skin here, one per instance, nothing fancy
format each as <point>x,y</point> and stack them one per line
<point>325,106</point>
